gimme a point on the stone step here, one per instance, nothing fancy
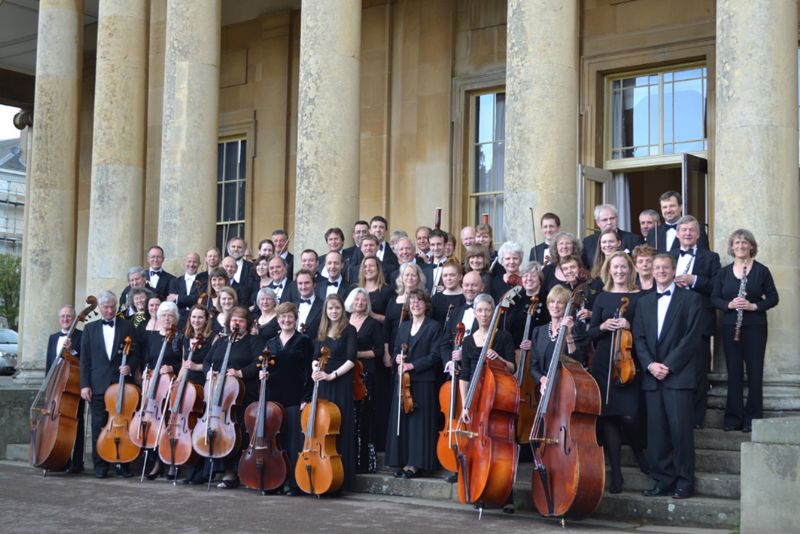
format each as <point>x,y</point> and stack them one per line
<point>716,439</point>
<point>17,452</point>
<point>705,461</point>
<point>721,485</point>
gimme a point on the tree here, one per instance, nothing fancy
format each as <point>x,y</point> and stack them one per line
<point>10,269</point>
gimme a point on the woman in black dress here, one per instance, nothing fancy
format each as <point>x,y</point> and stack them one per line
<point>760,296</point>
<point>288,382</point>
<point>241,364</point>
<point>336,381</point>
<point>514,321</point>
<point>265,323</point>
<point>620,413</point>
<point>643,256</point>
<point>414,449</point>
<point>452,296</point>
<point>369,339</point>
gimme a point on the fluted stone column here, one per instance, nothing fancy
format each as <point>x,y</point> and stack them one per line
<point>120,113</point>
<point>189,144</point>
<point>756,162</point>
<point>541,114</point>
<point>328,123</point>
<point>48,256</point>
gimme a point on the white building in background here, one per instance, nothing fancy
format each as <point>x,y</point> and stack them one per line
<point>12,197</point>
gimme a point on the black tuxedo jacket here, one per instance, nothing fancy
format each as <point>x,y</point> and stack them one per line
<point>449,332</point>
<point>629,242</point>
<point>659,237</point>
<point>244,290</point>
<point>321,288</point>
<point>162,287</point>
<point>314,315</point>
<point>186,300</point>
<point>289,266</point>
<point>390,261</point>
<point>706,267</point>
<point>423,348</point>
<point>679,341</point>
<point>248,271</point>
<point>98,371</point>
<point>537,253</point>
<point>52,344</point>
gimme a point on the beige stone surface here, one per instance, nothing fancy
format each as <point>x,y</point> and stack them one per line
<point>48,256</point>
<point>757,153</point>
<point>155,109</point>
<point>541,114</point>
<point>328,121</point>
<point>187,190</point>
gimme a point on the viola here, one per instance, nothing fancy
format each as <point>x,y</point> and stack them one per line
<point>405,404</point>
<point>528,388</point>
<point>319,468</point>
<point>185,405</point>
<point>569,468</point>
<point>216,434</point>
<point>54,411</point>
<point>450,405</point>
<point>487,450</point>
<point>263,465</point>
<point>148,420</point>
<point>621,361</point>
<point>114,444</point>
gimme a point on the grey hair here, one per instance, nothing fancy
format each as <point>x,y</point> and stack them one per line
<point>483,297</point>
<point>169,308</point>
<point>106,296</point>
<point>510,247</point>
<point>270,294</point>
<point>601,207</point>
<point>651,213</point>
<point>351,298</point>
<point>137,270</point>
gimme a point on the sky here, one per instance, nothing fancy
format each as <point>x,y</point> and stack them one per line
<point>7,129</point>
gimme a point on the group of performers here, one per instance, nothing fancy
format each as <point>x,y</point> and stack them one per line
<point>361,339</point>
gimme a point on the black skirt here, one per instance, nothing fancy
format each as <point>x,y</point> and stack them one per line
<point>416,445</point>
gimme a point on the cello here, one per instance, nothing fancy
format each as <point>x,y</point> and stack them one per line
<point>487,450</point>
<point>263,465</point>
<point>319,467</point>
<point>114,443</point>
<point>186,402</point>
<point>54,411</point>
<point>528,390</point>
<point>569,468</point>
<point>450,404</point>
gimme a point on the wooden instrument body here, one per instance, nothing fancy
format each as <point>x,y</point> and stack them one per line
<point>444,445</point>
<point>528,397</point>
<point>175,443</point>
<point>574,461</point>
<point>319,468</point>
<point>146,421</point>
<point>491,455</point>
<point>114,445</point>
<point>216,434</point>
<point>263,465</point>
<point>624,367</point>
<point>359,387</point>
<point>56,427</point>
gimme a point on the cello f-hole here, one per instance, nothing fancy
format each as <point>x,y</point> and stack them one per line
<point>564,445</point>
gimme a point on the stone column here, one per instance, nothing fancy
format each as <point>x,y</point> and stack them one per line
<point>541,114</point>
<point>328,130</point>
<point>118,147</point>
<point>48,256</point>
<point>187,208</point>
<point>756,162</point>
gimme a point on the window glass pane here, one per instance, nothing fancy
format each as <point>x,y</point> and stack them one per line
<point>640,116</point>
<point>231,159</point>
<point>688,110</point>
<point>220,160</point>
<point>240,200</point>
<point>688,74</point>
<point>484,109</point>
<point>499,166</point>
<point>655,122</point>
<point>242,160</point>
<point>220,195</point>
<point>229,203</point>
<point>500,117</point>
<point>483,168</point>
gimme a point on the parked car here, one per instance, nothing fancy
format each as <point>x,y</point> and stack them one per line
<point>8,351</point>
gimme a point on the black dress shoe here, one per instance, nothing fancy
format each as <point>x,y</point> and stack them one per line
<point>123,471</point>
<point>400,473</point>
<point>75,469</point>
<point>408,473</point>
<point>452,478</point>
<point>729,428</point>
<point>657,491</point>
<point>682,493</point>
<point>747,429</point>
<point>100,472</point>
<point>291,492</point>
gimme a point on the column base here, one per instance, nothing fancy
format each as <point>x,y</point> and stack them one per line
<point>29,377</point>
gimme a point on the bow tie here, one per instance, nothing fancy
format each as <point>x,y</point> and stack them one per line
<point>690,252</point>
<point>63,334</point>
<point>274,286</point>
<point>335,284</point>
<point>108,323</point>
<point>152,272</point>
<point>668,226</point>
<point>665,293</point>
<point>305,301</point>
<point>467,306</point>
<point>440,264</point>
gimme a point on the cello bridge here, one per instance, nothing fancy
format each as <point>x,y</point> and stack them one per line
<point>466,433</point>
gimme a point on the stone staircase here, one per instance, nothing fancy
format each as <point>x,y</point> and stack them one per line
<point>714,505</point>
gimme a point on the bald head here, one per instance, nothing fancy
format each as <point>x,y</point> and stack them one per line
<point>229,264</point>
<point>472,285</point>
<point>192,263</point>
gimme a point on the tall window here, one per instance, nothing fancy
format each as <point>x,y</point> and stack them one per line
<point>487,160</point>
<point>659,113</point>
<point>231,187</point>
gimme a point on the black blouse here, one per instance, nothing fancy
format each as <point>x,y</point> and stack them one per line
<point>370,337</point>
<point>503,344</point>
<point>440,304</point>
<point>290,370</point>
<point>760,290</point>
<point>153,348</point>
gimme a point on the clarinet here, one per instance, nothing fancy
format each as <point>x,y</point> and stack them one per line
<point>737,334</point>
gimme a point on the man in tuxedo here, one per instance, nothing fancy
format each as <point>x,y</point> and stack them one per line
<point>422,237</point>
<point>278,275</point>
<point>137,278</point>
<point>433,270</point>
<point>697,270</point>
<point>212,262</point>
<point>648,222</point>
<point>472,284</point>
<point>404,250</point>
<point>378,227</point>
<point>334,239</point>
<point>281,240</point>
<point>467,236</point>
<point>244,269</point>
<point>185,290</point>
<point>238,281</point>
<point>157,278</point>
<point>334,282</point>
<point>550,223</point>
<point>605,218</point>
<point>55,344</point>
<point>101,366</point>
<point>309,306</point>
<point>665,236</point>
<point>667,331</point>
<point>360,231</point>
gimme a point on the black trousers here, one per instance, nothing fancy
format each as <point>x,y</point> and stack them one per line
<point>702,364</point>
<point>670,437</point>
<point>99,420</point>
<point>748,351</point>
<point>80,439</point>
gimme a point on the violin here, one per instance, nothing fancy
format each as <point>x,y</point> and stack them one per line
<point>528,388</point>
<point>487,450</point>
<point>54,411</point>
<point>359,387</point>
<point>569,468</point>
<point>621,364</point>
<point>319,468</point>
<point>216,434</point>
<point>114,444</point>
<point>450,404</point>
<point>405,404</point>
<point>263,465</point>
<point>185,405</point>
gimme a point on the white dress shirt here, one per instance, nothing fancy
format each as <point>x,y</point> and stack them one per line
<point>671,234</point>
<point>189,279</point>
<point>303,309</point>
<point>330,290</point>
<point>663,306</point>
<point>62,338</point>
<point>108,337</point>
<point>468,319</point>
<point>685,262</point>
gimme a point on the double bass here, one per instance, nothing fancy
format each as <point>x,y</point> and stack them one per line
<point>263,465</point>
<point>319,468</point>
<point>54,412</point>
<point>114,444</point>
<point>450,404</point>
<point>528,388</point>
<point>487,450</point>
<point>569,469</point>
